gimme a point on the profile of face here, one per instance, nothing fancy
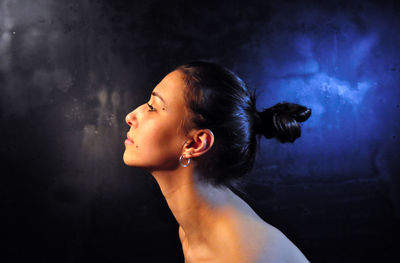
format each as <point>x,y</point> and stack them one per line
<point>156,132</point>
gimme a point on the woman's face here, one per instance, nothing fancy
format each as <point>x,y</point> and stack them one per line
<point>156,130</point>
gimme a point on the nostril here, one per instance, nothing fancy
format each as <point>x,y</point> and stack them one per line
<point>128,120</point>
<point>131,119</point>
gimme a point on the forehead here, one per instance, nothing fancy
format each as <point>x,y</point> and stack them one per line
<point>171,88</point>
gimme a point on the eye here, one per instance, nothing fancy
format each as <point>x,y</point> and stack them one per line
<point>151,107</point>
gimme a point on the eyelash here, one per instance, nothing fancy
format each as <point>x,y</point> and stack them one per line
<point>151,107</point>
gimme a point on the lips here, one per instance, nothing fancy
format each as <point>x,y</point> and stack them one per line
<point>128,138</point>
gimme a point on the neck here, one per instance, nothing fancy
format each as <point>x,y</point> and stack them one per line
<point>194,204</point>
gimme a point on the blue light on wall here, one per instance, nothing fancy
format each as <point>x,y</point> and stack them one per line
<point>346,67</point>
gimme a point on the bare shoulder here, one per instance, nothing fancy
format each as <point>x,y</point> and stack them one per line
<point>278,248</point>
<point>237,237</point>
<point>257,240</point>
<point>238,234</point>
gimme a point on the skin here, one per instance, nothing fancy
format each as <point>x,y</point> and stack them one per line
<point>215,225</point>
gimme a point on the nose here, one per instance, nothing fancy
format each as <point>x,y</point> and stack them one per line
<point>130,118</point>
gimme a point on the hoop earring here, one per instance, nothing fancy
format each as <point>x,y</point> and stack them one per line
<point>187,163</point>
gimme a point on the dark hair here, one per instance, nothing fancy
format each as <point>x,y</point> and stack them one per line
<point>219,100</point>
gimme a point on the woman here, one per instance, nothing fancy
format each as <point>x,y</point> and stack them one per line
<point>197,136</point>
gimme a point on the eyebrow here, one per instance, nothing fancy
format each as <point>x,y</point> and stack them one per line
<point>158,95</point>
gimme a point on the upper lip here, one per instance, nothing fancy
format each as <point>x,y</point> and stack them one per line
<point>129,138</point>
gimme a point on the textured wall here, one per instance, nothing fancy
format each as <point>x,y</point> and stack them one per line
<point>71,70</point>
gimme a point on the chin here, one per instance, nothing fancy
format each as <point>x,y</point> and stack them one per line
<point>127,160</point>
<point>131,161</point>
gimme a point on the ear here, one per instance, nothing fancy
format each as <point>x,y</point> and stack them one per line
<point>201,142</point>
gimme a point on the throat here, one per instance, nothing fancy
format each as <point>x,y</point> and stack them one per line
<point>196,225</point>
<point>196,205</point>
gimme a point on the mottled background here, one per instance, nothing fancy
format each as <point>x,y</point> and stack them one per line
<point>71,70</point>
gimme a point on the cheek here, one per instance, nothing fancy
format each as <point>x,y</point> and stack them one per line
<point>158,141</point>
<point>158,144</point>
<point>165,141</point>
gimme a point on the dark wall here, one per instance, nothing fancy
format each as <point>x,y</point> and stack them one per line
<point>71,70</point>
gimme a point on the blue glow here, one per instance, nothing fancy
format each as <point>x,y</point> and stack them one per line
<point>348,73</point>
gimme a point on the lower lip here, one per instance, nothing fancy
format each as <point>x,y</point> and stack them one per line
<point>128,142</point>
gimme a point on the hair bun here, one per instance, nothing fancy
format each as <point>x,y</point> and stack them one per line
<point>282,121</point>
